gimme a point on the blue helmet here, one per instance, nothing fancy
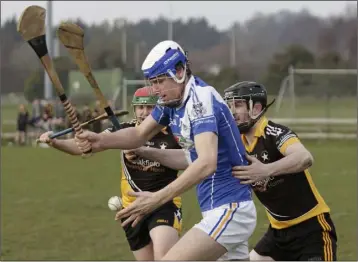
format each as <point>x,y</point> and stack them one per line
<point>163,59</point>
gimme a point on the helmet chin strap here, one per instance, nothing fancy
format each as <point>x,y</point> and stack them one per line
<point>174,102</point>
<point>245,127</point>
<point>179,81</point>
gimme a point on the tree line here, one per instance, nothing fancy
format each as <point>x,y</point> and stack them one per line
<point>266,45</point>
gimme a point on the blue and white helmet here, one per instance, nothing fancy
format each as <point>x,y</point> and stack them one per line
<point>163,59</point>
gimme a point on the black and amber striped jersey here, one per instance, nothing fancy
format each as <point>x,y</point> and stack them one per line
<point>143,174</point>
<point>290,198</point>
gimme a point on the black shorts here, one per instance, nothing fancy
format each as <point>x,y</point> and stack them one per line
<point>311,240</point>
<point>168,214</point>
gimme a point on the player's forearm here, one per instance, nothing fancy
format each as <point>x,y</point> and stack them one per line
<point>127,138</point>
<point>68,146</point>
<point>293,163</point>
<point>193,175</point>
<point>172,158</point>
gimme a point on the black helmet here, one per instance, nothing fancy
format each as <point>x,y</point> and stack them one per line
<point>252,93</point>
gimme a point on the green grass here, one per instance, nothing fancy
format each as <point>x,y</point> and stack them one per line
<point>54,206</point>
<point>317,108</point>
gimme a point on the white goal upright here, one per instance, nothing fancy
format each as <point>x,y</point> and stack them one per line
<point>319,103</point>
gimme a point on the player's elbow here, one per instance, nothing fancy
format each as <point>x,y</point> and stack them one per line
<point>307,159</point>
<point>209,165</point>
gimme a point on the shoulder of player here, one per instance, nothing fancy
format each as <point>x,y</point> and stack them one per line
<point>273,125</point>
<point>204,95</point>
<point>278,132</point>
<point>274,130</point>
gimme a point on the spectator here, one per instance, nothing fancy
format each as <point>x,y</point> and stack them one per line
<point>48,110</point>
<point>59,117</point>
<point>22,121</point>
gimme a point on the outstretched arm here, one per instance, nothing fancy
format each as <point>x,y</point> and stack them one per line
<point>172,158</point>
<point>131,137</point>
<point>68,146</point>
<point>128,138</point>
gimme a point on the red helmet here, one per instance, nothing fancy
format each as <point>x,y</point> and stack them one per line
<point>144,96</point>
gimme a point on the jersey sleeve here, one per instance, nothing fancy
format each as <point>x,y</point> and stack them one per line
<point>202,114</point>
<point>161,115</point>
<point>284,137</point>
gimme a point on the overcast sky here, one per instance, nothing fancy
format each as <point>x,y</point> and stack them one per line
<point>221,14</point>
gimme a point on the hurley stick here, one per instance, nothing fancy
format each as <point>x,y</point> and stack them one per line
<point>71,36</point>
<point>117,113</point>
<point>31,26</point>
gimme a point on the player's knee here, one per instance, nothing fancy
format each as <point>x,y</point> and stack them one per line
<point>163,238</point>
<point>159,254</point>
<point>256,257</point>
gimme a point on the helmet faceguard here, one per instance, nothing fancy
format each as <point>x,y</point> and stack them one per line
<point>251,92</point>
<point>143,96</point>
<point>163,62</point>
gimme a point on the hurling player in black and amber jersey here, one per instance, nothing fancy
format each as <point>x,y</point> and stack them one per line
<point>153,236</point>
<point>158,231</point>
<point>300,224</point>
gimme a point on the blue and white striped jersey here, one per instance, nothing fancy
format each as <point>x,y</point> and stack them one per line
<point>204,110</point>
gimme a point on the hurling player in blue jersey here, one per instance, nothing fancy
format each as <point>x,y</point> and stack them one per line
<point>204,126</point>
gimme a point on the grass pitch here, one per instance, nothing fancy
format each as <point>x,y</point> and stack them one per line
<point>54,206</point>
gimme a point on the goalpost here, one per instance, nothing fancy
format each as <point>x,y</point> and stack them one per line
<point>308,101</point>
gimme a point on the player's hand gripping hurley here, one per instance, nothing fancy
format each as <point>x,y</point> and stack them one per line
<point>31,26</point>
<point>117,113</point>
<point>71,36</point>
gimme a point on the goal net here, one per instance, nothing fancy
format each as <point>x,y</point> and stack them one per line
<point>319,103</point>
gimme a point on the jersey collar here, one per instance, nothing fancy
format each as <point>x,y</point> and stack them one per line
<point>259,131</point>
<point>260,127</point>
